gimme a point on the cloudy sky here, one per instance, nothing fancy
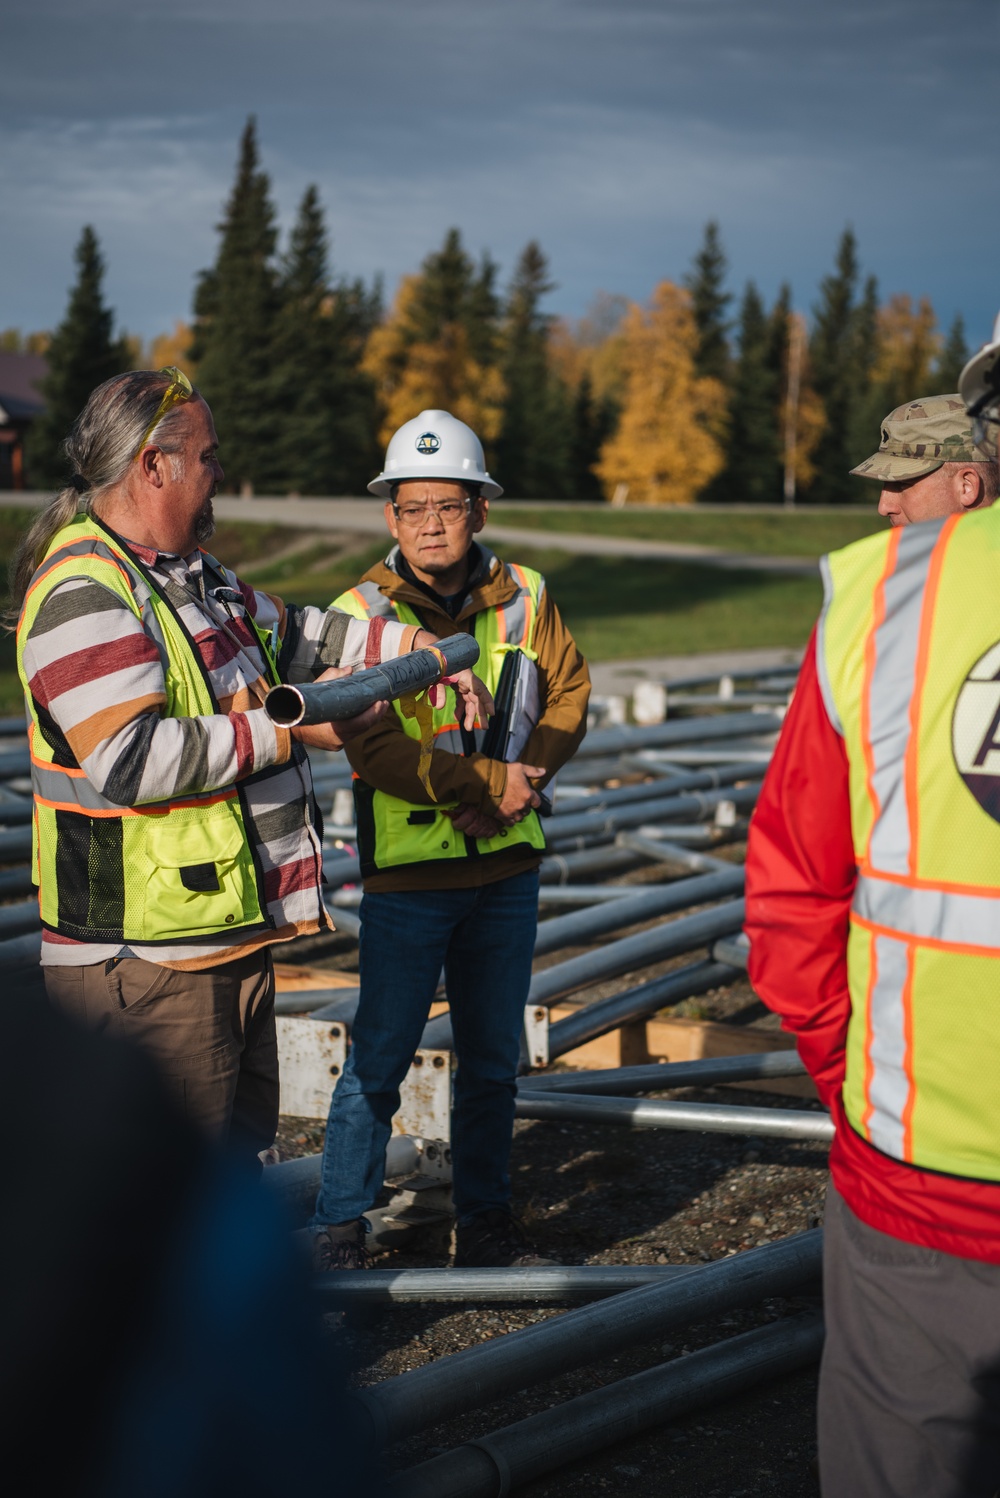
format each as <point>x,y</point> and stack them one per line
<point>610,130</point>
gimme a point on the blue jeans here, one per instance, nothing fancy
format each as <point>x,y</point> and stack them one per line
<point>484,939</point>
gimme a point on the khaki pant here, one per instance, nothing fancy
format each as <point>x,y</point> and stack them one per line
<point>211,1034</point>
<point>909,1387</point>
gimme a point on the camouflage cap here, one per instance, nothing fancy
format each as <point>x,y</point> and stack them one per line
<point>919,437</point>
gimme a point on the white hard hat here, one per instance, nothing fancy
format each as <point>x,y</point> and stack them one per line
<point>434,445</point>
<point>979,382</point>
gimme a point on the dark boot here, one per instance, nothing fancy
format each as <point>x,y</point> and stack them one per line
<point>495,1240</point>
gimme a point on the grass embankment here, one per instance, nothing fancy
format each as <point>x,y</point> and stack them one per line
<point>615,607</point>
<point>775,533</point>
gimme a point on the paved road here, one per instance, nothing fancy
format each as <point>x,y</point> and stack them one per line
<point>364,516</point>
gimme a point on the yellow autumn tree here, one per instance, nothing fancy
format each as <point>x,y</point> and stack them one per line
<point>666,448</point>
<point>908,344</point>
<point>438,347</point>
<point>173,348</point>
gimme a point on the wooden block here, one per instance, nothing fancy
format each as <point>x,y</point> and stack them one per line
<point>641,1041</point>
<point>289,977</point>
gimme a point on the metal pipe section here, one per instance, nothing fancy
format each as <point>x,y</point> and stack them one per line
<point>590,824</point>
<point>296,1182</point>
<point>328,701</point>
<point>626,739</point>
<point>16,812</point>
<point>623,795</point>
<point>670,939</point>
<point>323,1003</point>
<point>341,868</point>
<point>558,1437</point>
<point>560,868</point>
<point>640,905</point>
<point>591,1020</point>
<point>661,851</point>
<point>15,846</point>
<point>400,1406</point>
<point>625,1081</point>
<point>16,881</point>
<point>15,920</point>
<point>709,1118</point>
<point>550,1286</point>
<point>21,952</point>
<point>14,764</point>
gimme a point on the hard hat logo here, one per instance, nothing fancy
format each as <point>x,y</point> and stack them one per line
<point>975,731</point>
<point>428,443</point>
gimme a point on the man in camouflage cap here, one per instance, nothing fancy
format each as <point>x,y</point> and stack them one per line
<point>928,462</point>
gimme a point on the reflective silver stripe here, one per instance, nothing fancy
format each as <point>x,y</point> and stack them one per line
<point>889,1089</point>
<point>893,683</point>
<point>55,785</point>
<point>929,914</point>
<point>515,615</point>
<point>375,602</point>
<point>85,548</point>
<point>822,670</point>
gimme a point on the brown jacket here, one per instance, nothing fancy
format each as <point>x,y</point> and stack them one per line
<point>387,758</point>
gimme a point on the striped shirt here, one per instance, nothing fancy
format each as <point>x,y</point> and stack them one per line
<point>97,677</point>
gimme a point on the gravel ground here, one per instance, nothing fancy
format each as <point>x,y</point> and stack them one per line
<point>604,1195</point>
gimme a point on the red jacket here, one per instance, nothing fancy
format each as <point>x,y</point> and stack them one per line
<point>800,880</point>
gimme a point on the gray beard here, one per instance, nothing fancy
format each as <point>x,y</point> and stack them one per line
<point>204,525</point>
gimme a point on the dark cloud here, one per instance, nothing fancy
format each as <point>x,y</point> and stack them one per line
<point>610,131</point>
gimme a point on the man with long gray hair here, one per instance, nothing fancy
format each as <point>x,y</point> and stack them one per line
<point>175,834</point>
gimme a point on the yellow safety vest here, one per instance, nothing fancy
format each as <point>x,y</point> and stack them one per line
<point>393,833</point>
<point>161,872</point>
<point>908,652</point>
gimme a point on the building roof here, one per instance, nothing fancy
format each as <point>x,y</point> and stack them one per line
<point>20,399</point>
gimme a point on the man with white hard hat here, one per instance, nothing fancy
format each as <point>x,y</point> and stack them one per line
<point>450,843</point>
<point>873,908</point>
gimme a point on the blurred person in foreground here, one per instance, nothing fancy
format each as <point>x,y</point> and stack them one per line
<point>450,842</point>
<point>158,1337</point>
<point>928,463</point>
<point>176,831</point>
<point>873,908</point>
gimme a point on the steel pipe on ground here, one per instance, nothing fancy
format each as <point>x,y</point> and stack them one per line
<point>323,1003</point>
<point>16,813</point>
<point>505,1459</point>
<point>296,1182</point>
<point>20,952</point>
<point>626,739</point>
<point>670,939</point>
<point>15,920</point>
<point>662,851</point>
<point>400,1406</point>
<point>624,795</point>
<point>14,882</point>
<point>550,1286</point>
<point>328,701</point>
<point>12,728</point>
<point>560,868</point>
<point>711,1118</point>
<point>640,905</point>
<point>591,1020</point>
<point>15,846</point>
<point>624,1081</point>
<point>595,824</point>
<point>14,764</point>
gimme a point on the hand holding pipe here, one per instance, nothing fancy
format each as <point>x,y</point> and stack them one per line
<point>330,701</point>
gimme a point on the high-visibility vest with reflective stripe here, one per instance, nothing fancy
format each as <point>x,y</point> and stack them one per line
<point>908,652</point>
<point>161,872</point>
<point>392,832</point>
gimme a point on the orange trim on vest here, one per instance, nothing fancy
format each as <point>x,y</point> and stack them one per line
<point>933,943</point>
<point>910,766</point>
<point>869,1039</point>
<point>911,1086</point>
<point>132,811</point>
<point>982,891</point>
<point>878,616</point>
<point>75,561</point>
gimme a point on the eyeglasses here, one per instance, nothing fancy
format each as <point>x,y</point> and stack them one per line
<point>449,512</point>
<point>179,390</point>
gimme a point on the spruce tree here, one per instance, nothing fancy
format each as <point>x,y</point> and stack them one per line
<point>843,353</point>
<point>533,452</point>
<point>591,423</point>
<point>952,359</point>
<point>236,309</point>
<point>708,303</point>
<point>325,441</point>
<point>752,473</point>
<point>81,355</point>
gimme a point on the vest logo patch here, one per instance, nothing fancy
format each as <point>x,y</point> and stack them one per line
<point>975,731</point>
<point>428,444</point>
